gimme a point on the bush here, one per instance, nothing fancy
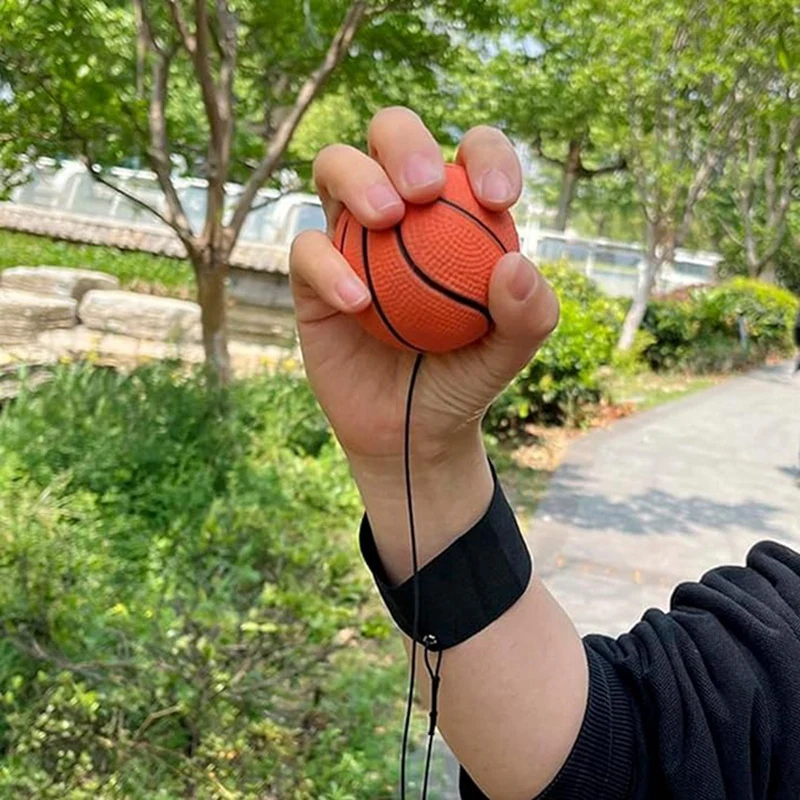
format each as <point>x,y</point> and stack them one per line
<point>562,381</point>
<point>180,597</point>
<point>700,331</point>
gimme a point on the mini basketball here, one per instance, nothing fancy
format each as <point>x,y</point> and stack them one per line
<point>429,275</point>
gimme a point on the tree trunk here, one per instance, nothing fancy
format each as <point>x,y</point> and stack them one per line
<point>212,273</point>
<point>569,183</point>
<point>768,273</point>
<point>647,279</point>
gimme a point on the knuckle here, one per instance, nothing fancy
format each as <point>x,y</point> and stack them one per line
<point>301,246</point>
<point>551,308</point>
<point>485,132</point>
<point>329,155</point>
<point>390,115</point>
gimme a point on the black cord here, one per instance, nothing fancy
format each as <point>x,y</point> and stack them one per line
<point>435,681</point>
<point>415,569</point>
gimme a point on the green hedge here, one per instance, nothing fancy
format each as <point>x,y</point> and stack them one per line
<point>699,329</point>
<point>182,608</point>
<point>562,381</point>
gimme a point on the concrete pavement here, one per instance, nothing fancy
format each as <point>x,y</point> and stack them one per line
<point>668,494</point>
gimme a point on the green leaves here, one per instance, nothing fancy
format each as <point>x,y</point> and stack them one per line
<point>181,597</point>
<point>562,381</point>
<point>699,329</point>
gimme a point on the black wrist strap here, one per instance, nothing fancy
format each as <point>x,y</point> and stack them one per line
<point>467,586</point>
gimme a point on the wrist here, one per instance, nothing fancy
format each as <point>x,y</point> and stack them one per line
<point>451,489</point>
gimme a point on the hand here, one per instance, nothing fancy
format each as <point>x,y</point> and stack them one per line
<point>360,382</point>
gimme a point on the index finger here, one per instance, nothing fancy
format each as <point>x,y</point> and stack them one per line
<point>492,166</point>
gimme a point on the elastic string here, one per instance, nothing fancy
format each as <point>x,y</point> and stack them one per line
<point>415,570</point>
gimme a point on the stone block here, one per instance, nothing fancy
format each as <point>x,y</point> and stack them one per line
<point>140,315</point>
<point>24,315</point>
<point>57,281</point>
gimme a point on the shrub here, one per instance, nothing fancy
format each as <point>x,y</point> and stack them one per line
<point>559,384</point>
<point>701,329</point>
<point>178,587</point>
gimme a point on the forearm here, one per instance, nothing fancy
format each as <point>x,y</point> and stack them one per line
<point>512,697</point>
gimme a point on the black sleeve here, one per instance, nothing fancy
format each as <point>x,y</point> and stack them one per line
<point>701,703</point>
<point>797,330</point>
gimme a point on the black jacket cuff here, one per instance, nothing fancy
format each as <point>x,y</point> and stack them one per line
<point>601,764</point>
<point>467,586</point>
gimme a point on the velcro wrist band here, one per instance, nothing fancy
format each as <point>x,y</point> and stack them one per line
<point>467,586</point>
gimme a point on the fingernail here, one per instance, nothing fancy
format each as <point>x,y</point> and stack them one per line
<point>351,292</point>
<point>522,281</point>
<point>382,197</point>
<point>420,171</point>
<point>495,186</point>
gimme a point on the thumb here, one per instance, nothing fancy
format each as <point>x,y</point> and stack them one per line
<point>525,311</point>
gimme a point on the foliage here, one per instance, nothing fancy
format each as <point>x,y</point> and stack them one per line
<point>218,88</point>
<point>722,218</point>
<point>181,615</point>
<point>135,270</point>
<point>700,329</point>
<point>562,380</point>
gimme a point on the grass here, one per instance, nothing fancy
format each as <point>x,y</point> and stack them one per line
<point>645,390</point>
<point>135,270</point>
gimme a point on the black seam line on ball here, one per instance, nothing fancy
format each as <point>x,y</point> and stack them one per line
<point>453,295</point>
<point>344,235</point>
<point>477,221</point>
<point>375,301</point>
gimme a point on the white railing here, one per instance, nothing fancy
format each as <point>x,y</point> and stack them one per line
<point>68,187</point>
<point>616,266</point>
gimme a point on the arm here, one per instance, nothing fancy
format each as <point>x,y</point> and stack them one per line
<point>512,697</point>
<point>530,661</point>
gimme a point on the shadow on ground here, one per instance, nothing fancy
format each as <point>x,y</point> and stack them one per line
<point>652,511</point>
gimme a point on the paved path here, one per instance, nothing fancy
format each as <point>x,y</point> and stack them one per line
<point>664,496</point>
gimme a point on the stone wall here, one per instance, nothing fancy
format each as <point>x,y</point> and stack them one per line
<point>50,313</point>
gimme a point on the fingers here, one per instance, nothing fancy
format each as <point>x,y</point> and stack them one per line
<point>399,140</point>
<point>322,281</point>
<point>406,164</point>
<point>347,177</point>
<point>525,312</point>
<point>492,166</point>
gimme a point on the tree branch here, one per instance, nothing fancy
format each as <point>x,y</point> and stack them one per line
<point>202,67</point>
<point>144,28</point>
<point>337,49</point>
<point>539,150</point>
<point>89,669</point>
<point>771,165</point>
<point>189,41</point>
<point>159,150</point>
<point>94,171</point>
<point>618,166</point>
<point>731,234</point>
<point>778,213</point>
<point>219,151</point>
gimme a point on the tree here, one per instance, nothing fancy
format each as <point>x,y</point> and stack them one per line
<point>559,100</point>
<point>221,86</point>
<point>769,169</point>
<point>710,67</point>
